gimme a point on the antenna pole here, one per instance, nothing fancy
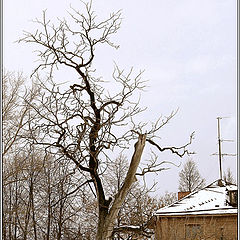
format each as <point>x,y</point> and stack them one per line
<point>219,148</point>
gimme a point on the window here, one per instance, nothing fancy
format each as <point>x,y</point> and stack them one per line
<point>193,231</point>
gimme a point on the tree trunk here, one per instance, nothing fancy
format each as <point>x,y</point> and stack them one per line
<point>107,218</point>
<point>103,213</point>
<point>33,214</point>
<point>49,204</point>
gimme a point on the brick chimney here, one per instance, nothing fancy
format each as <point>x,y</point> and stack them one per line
<point>182,194</point>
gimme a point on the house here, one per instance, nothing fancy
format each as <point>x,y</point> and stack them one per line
<point>209,213</point>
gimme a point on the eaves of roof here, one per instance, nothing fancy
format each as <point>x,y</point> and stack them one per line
<point>206,212</point>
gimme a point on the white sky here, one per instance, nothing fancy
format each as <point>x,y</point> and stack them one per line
<point>188,51</point>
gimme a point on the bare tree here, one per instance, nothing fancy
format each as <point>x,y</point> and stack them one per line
<point>189,177</point>
<point>15,117</point>
<point>36,187</point>
<point>85,123</point>
<point>167,199</point>
<point>228,177</point>
<point>15,111</point>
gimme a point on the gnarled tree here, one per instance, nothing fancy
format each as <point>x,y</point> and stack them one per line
<point>85,123</point>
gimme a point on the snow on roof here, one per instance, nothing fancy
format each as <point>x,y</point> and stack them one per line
<point>209,200</point>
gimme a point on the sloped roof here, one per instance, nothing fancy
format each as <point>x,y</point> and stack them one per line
<point>209,200</point>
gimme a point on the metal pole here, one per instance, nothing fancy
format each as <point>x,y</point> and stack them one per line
<point>219,148</point>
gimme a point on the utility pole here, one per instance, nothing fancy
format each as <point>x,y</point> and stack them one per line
<point>219,148</point>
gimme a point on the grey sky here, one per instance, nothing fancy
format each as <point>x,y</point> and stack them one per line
<point>188,51</point>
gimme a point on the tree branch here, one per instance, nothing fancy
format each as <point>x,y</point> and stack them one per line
<point>175,150</point>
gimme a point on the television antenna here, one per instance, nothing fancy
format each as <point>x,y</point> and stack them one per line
<point>220,154</point>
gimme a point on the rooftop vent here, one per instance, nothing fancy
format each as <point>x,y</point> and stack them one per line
<point>220,183</point>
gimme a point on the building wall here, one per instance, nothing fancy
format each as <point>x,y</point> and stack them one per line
<point>196,227</point>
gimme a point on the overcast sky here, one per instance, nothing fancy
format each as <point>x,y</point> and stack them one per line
<point>188,51</point>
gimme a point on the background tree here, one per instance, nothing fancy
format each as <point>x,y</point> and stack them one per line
<point>15,110</point>
<point>85,123</point>
<point>17,180</point>
<point>167,199</point>
<point>137,207</point>
<point>189,178</point>
<point>228,177</point>
<point>30,188</point>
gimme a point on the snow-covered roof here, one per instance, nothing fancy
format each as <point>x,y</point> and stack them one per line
<point>209,200</point>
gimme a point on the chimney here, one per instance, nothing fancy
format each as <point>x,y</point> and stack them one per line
<point>182,194</point>
<point>220,183</point>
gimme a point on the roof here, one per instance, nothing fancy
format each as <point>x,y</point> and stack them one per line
<point>212,199</point>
